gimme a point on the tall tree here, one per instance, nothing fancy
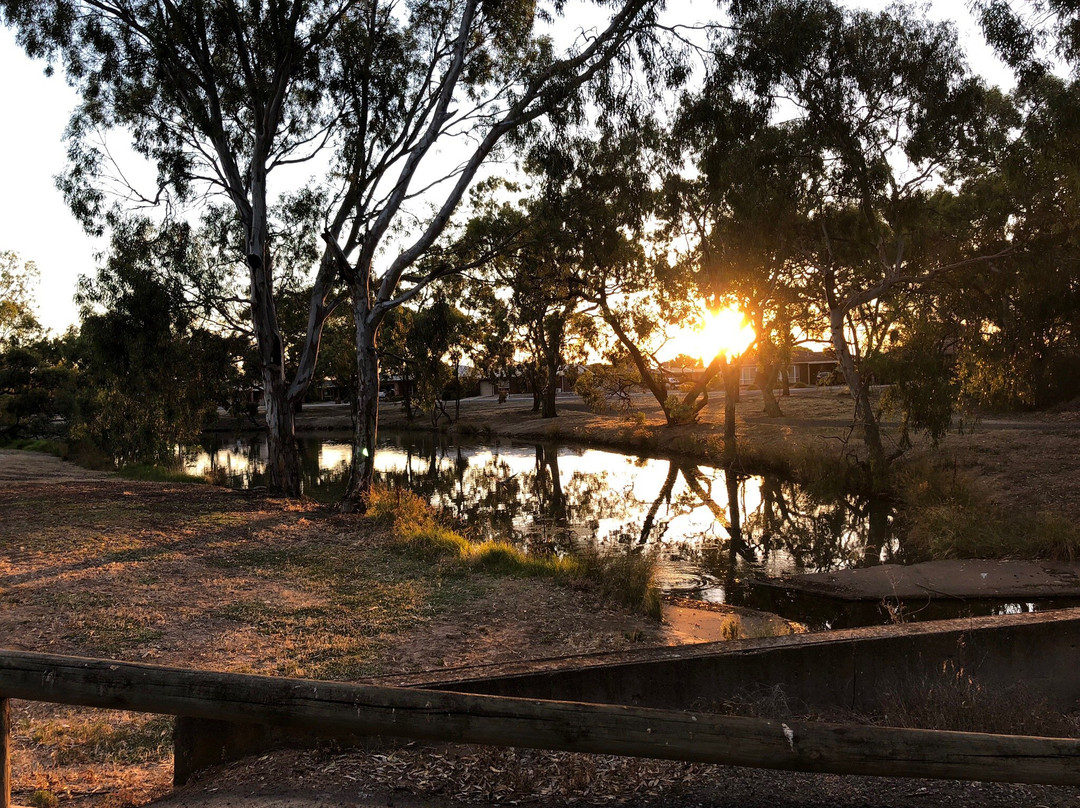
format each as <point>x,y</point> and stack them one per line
<point>229,92</point>
<point>893,112</point>
<point>218,95</point>
<point>745,208</point>
<point>485,71</point>
<point>18,323</point>
<point>152,377</point>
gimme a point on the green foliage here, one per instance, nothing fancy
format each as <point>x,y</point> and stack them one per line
<point>18,278</point>
<point>423,346</point>
<point>38,385</point>
<point>679,411</point>
<point>921,383</point>
<point>153,377</point>
<point>1018,320</point>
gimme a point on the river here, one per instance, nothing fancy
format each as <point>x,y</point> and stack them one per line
<point>713,529</point>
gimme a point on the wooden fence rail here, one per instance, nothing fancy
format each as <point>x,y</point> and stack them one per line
<point>336,708</point>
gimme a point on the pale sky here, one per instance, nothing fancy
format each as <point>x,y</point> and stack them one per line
<point>34,220</point>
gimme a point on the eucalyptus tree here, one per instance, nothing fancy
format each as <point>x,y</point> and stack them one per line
<point>746,207</point>
<point>486,73</point>
<point>524,252</point>
<point>1022,323</point>
<point>152,376</point>
<point>604,191</point>
<point>18,278</point>
<point>218,95</point>
<point>893,113</point>
<point>221,94</point>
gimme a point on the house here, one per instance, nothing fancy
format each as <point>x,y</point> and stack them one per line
<point>806,367</point>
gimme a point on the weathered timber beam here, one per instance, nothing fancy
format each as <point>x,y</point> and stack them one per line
<point>5,753</point>
<point>334,707</point>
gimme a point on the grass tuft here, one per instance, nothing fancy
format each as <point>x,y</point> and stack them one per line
<point>947,515</point>
<point>432,542</point>
<point>147,472</point>
<point>626,578</point>
<point>43,445</point>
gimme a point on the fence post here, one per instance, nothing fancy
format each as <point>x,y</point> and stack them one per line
<point>5,753</point>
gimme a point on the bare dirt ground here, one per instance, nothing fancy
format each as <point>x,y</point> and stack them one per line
<point>203,577</point>
<point>197,576</point>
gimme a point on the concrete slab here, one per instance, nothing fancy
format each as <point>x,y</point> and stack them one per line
<point>965,578</point>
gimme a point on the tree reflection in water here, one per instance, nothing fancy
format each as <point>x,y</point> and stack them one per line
<point>714,527</point>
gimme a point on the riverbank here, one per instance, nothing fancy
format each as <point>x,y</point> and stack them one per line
<point>997,487</point>
<point>201,576</point>
<point>1028,461</point>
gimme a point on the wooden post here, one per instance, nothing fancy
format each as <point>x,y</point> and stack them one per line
<point>5,753</point>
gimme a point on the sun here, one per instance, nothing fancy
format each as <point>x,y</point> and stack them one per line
<point>725,331</point>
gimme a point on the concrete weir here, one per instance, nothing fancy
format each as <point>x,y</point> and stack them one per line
<point>852,670</point>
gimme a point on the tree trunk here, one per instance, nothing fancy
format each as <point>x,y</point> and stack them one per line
<point>766,378</point>
<point>865,419</point>
<point>731,398</point>
<point>283,461</point>
<point>548,409</point>
<point>366,424</point>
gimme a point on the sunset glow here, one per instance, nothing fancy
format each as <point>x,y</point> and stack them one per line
<point>725,331</point>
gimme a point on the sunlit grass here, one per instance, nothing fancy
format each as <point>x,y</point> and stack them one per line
<point>101,738</point>
<point>625,578</point>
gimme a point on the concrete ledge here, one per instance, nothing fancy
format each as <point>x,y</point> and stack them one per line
<point>954,579</point>
<point>851,669</point>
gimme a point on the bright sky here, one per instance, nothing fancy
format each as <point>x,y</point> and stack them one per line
<point>34,220</point>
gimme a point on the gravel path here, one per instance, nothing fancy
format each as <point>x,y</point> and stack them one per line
<point>457,777</point>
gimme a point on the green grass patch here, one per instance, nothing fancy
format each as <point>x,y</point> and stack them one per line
<point>946,515</point>
<point>625,578</point>
<point>44,445</point>
<point>153,473</point>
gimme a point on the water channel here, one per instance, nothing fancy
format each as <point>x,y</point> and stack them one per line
<point>717,533</point>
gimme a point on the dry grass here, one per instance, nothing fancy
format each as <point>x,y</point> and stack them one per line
<point>194,576</point>
<point>948,514</point>
<point>624,578</point>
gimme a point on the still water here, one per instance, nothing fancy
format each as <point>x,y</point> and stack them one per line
<point>714,529</point>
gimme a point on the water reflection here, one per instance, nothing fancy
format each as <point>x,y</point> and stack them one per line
<point>714,528</point>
